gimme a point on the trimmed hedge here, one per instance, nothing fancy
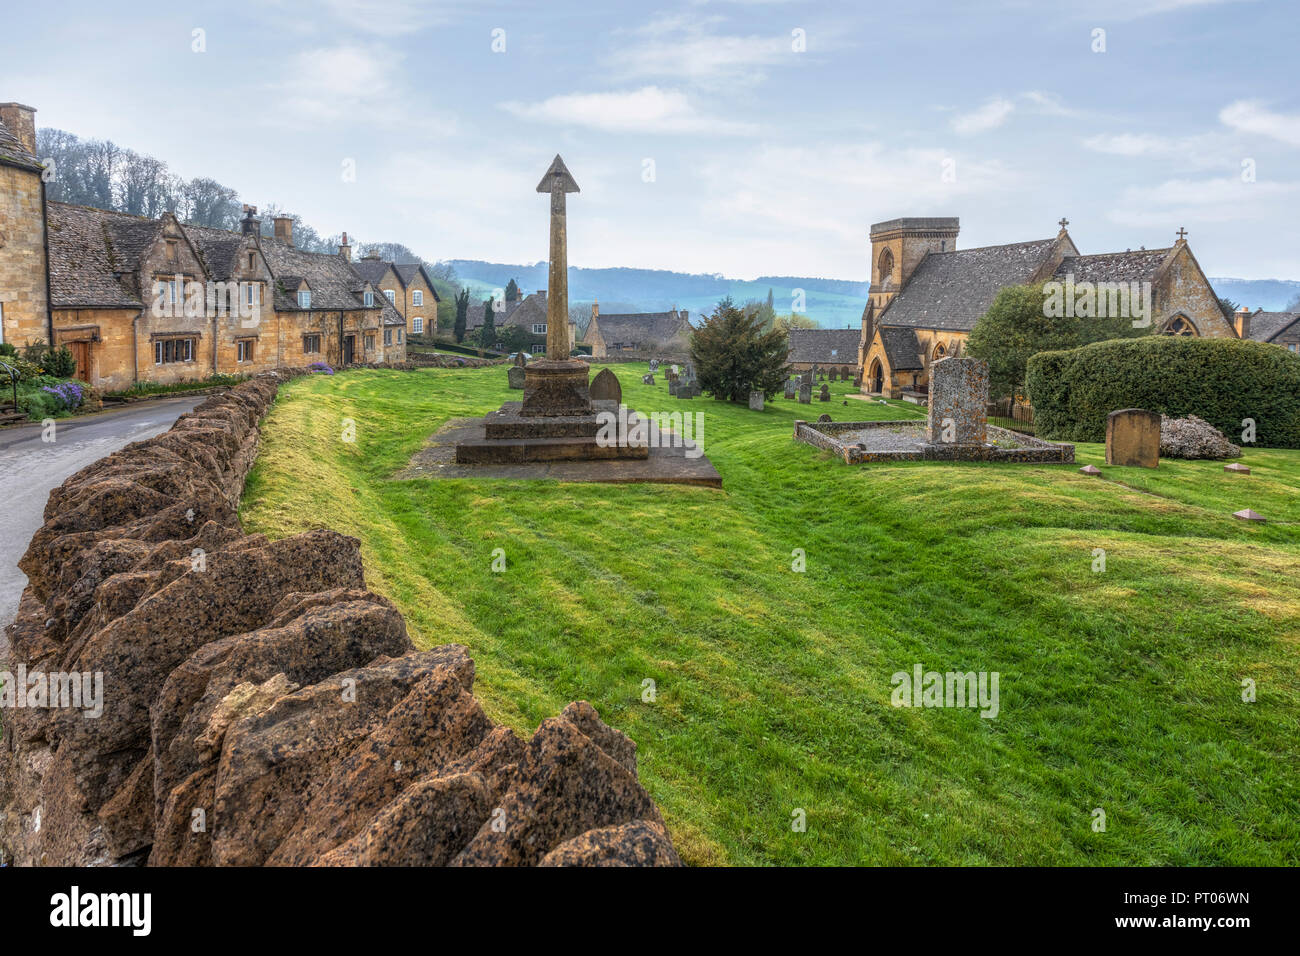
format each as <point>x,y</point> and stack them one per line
<point>1222,380</point>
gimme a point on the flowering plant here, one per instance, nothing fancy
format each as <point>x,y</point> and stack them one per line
<point>69,394</point>
<point>321,367</point>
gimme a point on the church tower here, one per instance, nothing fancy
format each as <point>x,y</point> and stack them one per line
<point>897,248</point>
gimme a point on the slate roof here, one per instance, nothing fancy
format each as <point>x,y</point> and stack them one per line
<point>951,290</point>
<point>218,250</point>
<point>902,348</point>
<point>641,328</point>
<point>407,271</point>
<point>1266,326</point>
<point>95,254</point>
<point>525,312</point>
<point>824,346</point>
<point>12,151</point>
<point>372,270</point>
<point>1130,266</point>
<point>334,283</point>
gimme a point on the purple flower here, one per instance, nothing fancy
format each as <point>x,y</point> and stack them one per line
<point>321,367</point>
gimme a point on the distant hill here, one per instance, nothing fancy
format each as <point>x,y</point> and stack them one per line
<point>1271,295</point>
<point>831,303</point>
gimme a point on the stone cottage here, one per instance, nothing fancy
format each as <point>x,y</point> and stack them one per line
<point>408,286</point>
<point>639,334</point>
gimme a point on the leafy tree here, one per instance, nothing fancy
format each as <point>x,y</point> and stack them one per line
<point>733,355</point>
<point>487,337</point>
<point>462,311</point>
<point>513,339</point>
<point>1017,326</point>
<point>1228,306</point>
<point>794,321</point>
<point>512,291</point>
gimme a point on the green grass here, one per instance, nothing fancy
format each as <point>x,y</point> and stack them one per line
<point>1120,690</point>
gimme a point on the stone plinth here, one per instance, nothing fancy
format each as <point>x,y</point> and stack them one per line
<point>555,388</point>
<point>510,436</point>
<point>959,395</point>
<point>1133,438</point>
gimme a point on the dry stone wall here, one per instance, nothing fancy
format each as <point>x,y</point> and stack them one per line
<point>259,705</point>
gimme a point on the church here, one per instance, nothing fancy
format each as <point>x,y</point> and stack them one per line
<point>926,295</point>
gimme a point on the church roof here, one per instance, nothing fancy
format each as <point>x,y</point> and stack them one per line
<point>902,348</point>
<point>1139,266</point>
<point>1266,326</point>
<point>824,346</point>
<point>951,290</point>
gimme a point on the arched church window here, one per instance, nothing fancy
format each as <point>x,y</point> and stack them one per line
<point>886,266</point>
<point>1180,325</point>
<point>939,352</point>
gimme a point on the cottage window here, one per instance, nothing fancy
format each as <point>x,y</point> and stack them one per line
<point>388,336</point>
<point>169,351</point>
<point>370,343</point>
<point>244,350</point>
<point>311,344</point>
<point>400,334</point>
<point>370,299</point>
<point>539,328</point>
<point>304,298</point>
<point>251,293</point>
<point>389,294</point>
<point>417,325</point>
<point>417,297</point>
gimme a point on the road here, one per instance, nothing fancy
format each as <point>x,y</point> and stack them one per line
<point>31,468</point>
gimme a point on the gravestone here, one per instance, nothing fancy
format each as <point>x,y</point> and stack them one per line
<point>805,393</point>
<point>648,379</point>
<point>857,379</point>
<point>605,386</point>
<point>823,419</point>
<point>1133,438</point>
<point>755,401</point>
<point>959,397</point>
<point>654,365</point>
<point>825,394</point>
<point>835,374</point>
<point>520,361</point>
<point>515,376</point>
<point>791,387</point>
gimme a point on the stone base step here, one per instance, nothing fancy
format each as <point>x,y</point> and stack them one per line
<point>488,451</point>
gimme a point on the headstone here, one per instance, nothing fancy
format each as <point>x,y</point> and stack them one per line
<point>1237,469</point>
<point>835,374</point>
<point>823,419</point>
<point>857,379</point>
<point>520,361</point>
<point>605,386</point>
<point>825,394</point>
<point>515,375</point>
<point>1132,438</point>
<point>654,365</point>
<point>1090,470</point>
<point>959,394</point>
<point>648,379</point>
<point>806,377</point>
<point>676,370</point>
<point>755,401</point>
<point>805,393</point>
<point>791,387</point>
<point>671,375</point>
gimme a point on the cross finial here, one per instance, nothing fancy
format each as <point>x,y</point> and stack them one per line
<point>1182,233</point>
<point>1063,223</point>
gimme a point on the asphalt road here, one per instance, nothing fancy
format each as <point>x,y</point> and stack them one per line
<point>31,468</point>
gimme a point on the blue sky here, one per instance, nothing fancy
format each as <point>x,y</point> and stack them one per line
<point>767,159</point>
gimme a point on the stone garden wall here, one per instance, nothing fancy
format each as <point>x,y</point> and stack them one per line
<point>260,706</point>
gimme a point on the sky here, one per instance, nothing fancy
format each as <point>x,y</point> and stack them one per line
<point>742,138</point>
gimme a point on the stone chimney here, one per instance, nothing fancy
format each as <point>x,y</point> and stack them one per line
<point>284,229</point>
<point>371,256</point>
<point>595,308</point>
<point>21,121</point>
<point>250,225</point>
<point>1242,323</point>
<point>345,250</point>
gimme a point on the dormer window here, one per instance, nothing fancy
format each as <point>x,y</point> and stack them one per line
<point>388,293</point>
<point>304,298</point>
<point>369,298</point>
<point>417,297</point>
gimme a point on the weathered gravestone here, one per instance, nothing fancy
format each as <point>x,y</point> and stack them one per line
<point>959,396</point>
<point>823,419</point>
<point>805,393</point>
<point>520,360</point>
<point>605,386</point>
<point>648,379</point>
<point>835,374</point>
<point>1133,438</point>
<point>825,394</point>
<point>791,387</point>
<point>756,401</point>
<point>515,376</point>
<point>654,365</point>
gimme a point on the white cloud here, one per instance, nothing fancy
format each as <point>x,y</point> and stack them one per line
<point>647,110</point>
<point>1250,116</point>
<point>989,116</point>
<point>1225,199</point>
<point>686,49</point>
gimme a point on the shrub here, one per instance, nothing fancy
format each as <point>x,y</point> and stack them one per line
<point>69,394</point>
<point>1224,381</point>
<point>733,355</point>
<point>7,350</point>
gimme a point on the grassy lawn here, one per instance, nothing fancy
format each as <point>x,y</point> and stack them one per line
<point>1119,690</point>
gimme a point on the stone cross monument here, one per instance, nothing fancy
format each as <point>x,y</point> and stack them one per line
<point>557,385</point>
